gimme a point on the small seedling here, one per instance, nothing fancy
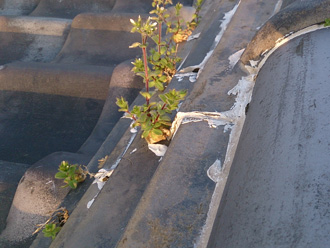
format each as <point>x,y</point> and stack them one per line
<point>327,22</point>
<point>51,230</point>
<point>54,224</point>
<point>72,174</point>
<point>157,67</point>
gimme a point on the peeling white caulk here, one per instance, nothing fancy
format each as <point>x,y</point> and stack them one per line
<point>214,119</point>
<point>103,173</point>
<point>158,149</point>
<point>192,76</point>
<point>223,26</point>
<point>234,58</point>
<point>101,177</point>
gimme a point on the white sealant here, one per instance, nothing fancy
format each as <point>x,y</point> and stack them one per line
<point>134,150</point>
<point>234,58</point>
<point>277,7</point>
<point>158,149</point>
<point>192,76</point>
<point>103,173</point>
<point>214,119</point>
<point>101,177</point>
<point>193,37</point>
<point>214,172</point>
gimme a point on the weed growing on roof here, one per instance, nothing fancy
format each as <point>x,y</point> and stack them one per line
<point>54,224</point>
<point>157,67</point>
<point>71,174</point>
<point>327,22</point>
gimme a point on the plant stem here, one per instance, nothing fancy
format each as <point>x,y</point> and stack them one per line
<point>159,35</point>
<point>133,117</point>
<point>163,107</point>
<point>144,51</point>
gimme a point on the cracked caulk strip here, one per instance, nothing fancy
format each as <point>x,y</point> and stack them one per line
<point>103,175</point>
<point>189,71</point>
<point>214,119</point>
<point>243,90</point>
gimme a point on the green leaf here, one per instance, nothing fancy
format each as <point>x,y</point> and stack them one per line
<point>165,118</point>
<point>60,175</point>
<point>122,104</point>
<point>145,95</point>
<point>327,22</point>
<point>157,131</point>
<point>157,125</point>
<point>162,50</point>
<point>73,184</point>
<point>143,117</point>
<point>163,98</point>
<point>135,44</point>
<point>159,85</point>
<point>166,123</point>
<point>156,56</point>
<point>145,134</point>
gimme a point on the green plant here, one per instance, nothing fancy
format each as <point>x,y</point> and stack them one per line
<point>54,224</point>
<point>157,67</point>
<point>72,174</point>
<point>327,22</point>
<point>51,230</point>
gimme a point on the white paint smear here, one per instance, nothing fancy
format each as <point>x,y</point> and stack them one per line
<point>214,171</point>
<point>158,149</point>
<point>193,37</point>
<point>278,7</point>
<point>192,76</point>
<point>90,203</point>
<point>134,150</point>
<point>234,58</point>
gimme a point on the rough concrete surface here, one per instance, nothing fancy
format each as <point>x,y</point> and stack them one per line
<point>17,7</point>
<point>37,194</point>
<point>298,15</point>
<point>62,68</point>
<point>277,193</point>
<point>11,174</point>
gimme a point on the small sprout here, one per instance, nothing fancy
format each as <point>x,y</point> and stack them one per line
<point>51,230</point>
<point>71,174</point>
<point>54,224</point>
<point>327,22</point>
